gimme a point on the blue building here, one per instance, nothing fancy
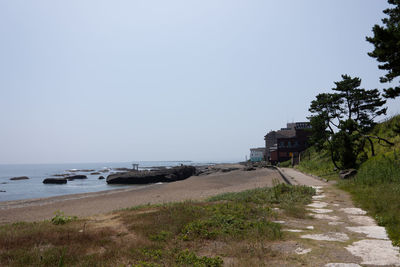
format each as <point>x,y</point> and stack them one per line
<point>257,154</point>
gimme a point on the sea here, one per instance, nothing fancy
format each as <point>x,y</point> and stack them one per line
<point>34,187</point>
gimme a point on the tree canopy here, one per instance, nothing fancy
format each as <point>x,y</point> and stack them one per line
<point>386,40</point>
<point>342,119</point>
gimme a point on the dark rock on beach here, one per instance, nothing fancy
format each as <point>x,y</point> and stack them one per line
<point>55,181</point>
<point>2,191</point>
<point>148,177</point>
<point>228,169</point>
<point>19,178</point>
<point>71,178</point>
<point>101,177</point>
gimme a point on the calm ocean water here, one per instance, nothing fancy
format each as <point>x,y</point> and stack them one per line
<point>34,187</point>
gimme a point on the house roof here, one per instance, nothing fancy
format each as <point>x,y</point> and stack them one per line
<point>286,133</point>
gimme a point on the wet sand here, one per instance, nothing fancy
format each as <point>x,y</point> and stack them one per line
<point>83,205</point>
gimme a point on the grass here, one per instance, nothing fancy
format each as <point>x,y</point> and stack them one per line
<point>286,164</point>
<point>376,187</point>
<point>235,226</point>
<point>317,163</point>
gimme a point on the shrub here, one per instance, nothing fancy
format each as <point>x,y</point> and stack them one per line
<point>189,258</point>
<point>60,218</point>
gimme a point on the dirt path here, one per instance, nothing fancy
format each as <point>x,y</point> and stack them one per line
<point>193,188</point>
<point>336,233</point>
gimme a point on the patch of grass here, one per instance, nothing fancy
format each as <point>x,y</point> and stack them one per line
<point>286,164</point>
<point>278,194</point>
<point>381,201</point>
<point>376,188</point>
<point>232,220</point>
<point>381,169</point>
<point>160,236</point>
<point>290,198</point>
<point>46,244</point>
<point>317,163</point>
<point>173,234</point>
<point>60,218</point>
<point>188,258</point>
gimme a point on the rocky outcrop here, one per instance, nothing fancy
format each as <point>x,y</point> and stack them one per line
<point>228,169</point>
<point>346,174</point>
<point>55,181</point>
<point>94,173</point>
<point>71,178</point>
<point>148,177</point>
<point>19,178</point>
<point>207,170</point>
<point>101,177</point>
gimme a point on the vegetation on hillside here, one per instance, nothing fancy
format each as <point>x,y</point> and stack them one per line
<point>376,187</point>
<point>345,134</point>
<point>237,226</point>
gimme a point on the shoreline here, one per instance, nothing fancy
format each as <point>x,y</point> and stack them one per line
<point>33,188</point>
<point>88,204</point>
<point>128,187</point>
<point>46,200</point>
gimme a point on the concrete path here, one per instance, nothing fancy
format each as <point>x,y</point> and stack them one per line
<point>336,233</point>
<point>298,178</point>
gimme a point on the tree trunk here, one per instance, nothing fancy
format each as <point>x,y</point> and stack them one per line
<point>332,157</point>
<point>372,146</point>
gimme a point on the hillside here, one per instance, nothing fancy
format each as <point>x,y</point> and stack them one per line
<point>376,187</point>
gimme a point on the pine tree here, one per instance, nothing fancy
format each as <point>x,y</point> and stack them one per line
<point>341,120</point>
<point>386,40</point>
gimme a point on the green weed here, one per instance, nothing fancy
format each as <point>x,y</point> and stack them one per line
<point>188,258</point>
<point>60,218</point>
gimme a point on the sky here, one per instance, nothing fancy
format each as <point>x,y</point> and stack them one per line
<point>120,81</point>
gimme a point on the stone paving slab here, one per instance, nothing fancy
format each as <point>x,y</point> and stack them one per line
<point>343,234</point>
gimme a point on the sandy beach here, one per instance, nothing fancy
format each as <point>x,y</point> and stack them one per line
<point>83,205</point>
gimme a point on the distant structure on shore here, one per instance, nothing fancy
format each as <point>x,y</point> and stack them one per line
<point>257,154</point>
<point>287,143</point>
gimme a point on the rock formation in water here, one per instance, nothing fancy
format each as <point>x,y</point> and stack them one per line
<point>55,181</point>
<point>71,178</point>
<point>19,178</point>
<point>154,176</point>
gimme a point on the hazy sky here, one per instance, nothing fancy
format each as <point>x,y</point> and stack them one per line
<point>102,81</point>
